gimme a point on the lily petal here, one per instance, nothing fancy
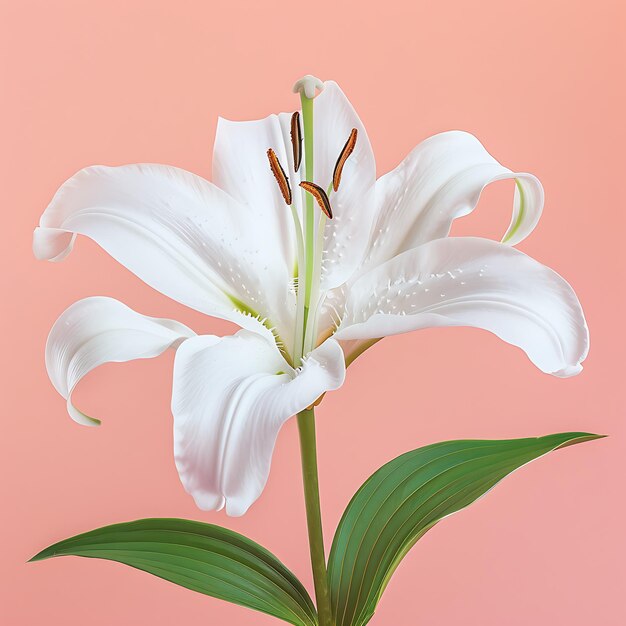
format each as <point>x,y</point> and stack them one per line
<point>101,330</point>
<point>440,180</point>
<point>240,168</point>
<point>475,282</point>
<point>347,234</point>
<point>231,396</point>
<point>179,233</point>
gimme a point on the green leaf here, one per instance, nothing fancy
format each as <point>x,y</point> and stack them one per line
<point>202,557</point>
<point>408,496</point>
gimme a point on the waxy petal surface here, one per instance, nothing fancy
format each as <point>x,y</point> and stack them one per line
<point>347,234</point>
<point>231,397</point>
<point>101,330</point>
<point>179,233</point>
<point>241,168</point>
<point>439,181</point>
<point>475,282</point>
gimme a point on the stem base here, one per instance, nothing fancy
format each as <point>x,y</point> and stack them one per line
<point>308,452</point>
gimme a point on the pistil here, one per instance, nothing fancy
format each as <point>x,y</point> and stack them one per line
<point>309,213</point>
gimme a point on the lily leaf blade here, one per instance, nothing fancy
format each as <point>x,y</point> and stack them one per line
<point>202,557</point>
<point>406,497</point>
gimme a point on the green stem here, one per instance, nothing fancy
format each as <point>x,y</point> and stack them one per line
<point>308,453</point>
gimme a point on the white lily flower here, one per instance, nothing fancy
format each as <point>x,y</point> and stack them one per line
<point>310,291</point>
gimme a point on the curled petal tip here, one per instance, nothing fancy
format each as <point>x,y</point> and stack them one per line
<point>307,86</point>
<point>568,372</point>
<point>52,244</point>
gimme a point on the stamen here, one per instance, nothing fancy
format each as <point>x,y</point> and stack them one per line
<point>296,140</point>
<point>320,195</point>
<point>343,157</point>
<point>279,175</point>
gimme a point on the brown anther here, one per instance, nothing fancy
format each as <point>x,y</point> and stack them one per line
<point>343,157</point>
<point>296,140</point>
<point>279,175</point>
<point>320,195</point>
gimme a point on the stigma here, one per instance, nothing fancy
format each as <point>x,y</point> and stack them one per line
<point>307,86</point>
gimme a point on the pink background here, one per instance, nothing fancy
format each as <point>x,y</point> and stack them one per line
<point>117,81</point>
